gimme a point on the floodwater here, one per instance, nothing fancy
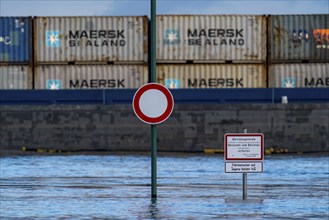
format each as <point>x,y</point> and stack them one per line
<point>189,187</point>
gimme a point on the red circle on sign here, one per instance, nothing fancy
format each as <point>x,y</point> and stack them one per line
<point>137,107</point>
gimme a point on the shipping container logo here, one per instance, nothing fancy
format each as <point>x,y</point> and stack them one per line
<point>52,39</point>
<point>300,35</point>
<point>172,83</point>
<point>5,40</point>
<point>171,36</point>
<point>216,37</point>
<point>19,25</point>
<point>53,84</point>
<point>321,37</point>
<point>288,82</point>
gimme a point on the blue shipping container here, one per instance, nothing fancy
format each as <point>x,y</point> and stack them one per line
<point>16,40</point>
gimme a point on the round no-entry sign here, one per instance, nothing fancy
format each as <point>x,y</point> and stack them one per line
<point>153,103</point>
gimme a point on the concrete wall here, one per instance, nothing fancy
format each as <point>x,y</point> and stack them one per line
<point>191,128</point>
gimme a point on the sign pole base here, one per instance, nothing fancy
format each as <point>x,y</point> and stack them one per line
<point>244,186</point>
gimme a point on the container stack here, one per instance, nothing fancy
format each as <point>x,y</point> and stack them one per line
<point>90,52</point>
<point>211,51</point>
<point>16,53</point>
<point>298,51</point>
<point>193,51</point>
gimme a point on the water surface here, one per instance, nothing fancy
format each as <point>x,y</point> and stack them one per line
<point>189,187</point>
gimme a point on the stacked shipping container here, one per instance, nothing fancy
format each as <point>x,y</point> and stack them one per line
<point>299,75</point>
<point>298,51</point>
<point>90,52</point>
<point>195,76</point>
<point>211,38</point>
<point>214,51</point>
<point>16,53</point>
<point>92,76</point>
<point>16,76</point>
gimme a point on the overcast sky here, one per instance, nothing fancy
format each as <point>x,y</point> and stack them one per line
<point>142,7</point>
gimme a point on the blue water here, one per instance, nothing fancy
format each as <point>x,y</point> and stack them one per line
<point>189,187</point>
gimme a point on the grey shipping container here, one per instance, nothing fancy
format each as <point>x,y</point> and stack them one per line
<point>197,76</point>
<point>295,38</point>
<point>90,76</point>
<point>91,39</point>
<point>16,40</point>
<point>211,38</point>
<point>16,77</point>
<point>299,75</point>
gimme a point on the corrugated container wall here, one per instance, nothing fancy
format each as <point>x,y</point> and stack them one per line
<point>299,75</point>
<point>294,38</point>
<point>16,77</point>
<point>91,39</point>
<point>90,76</point>
<point>198,76</point>
<point>211,38</point>
<point>16,40</point>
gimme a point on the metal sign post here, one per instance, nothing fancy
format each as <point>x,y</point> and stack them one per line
<point>244,178</point>
<point>154,161</point>
<point>244,186</point>
<point>153,103</point>
<point>153,79</point>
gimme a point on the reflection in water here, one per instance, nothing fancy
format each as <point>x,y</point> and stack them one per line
<point>153,209</point>
<point>118,187</point>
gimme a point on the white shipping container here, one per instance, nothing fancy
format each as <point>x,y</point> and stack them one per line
<point>16,77</point>
<point>90,76</point>
<point>211,38</point>
<point>91,39</point>
<point>299,75</point>
<point>196,76</point>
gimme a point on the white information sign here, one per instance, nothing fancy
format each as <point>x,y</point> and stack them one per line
<point>244,153</point>
<point>244,146</point>
<point>241,167</point>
